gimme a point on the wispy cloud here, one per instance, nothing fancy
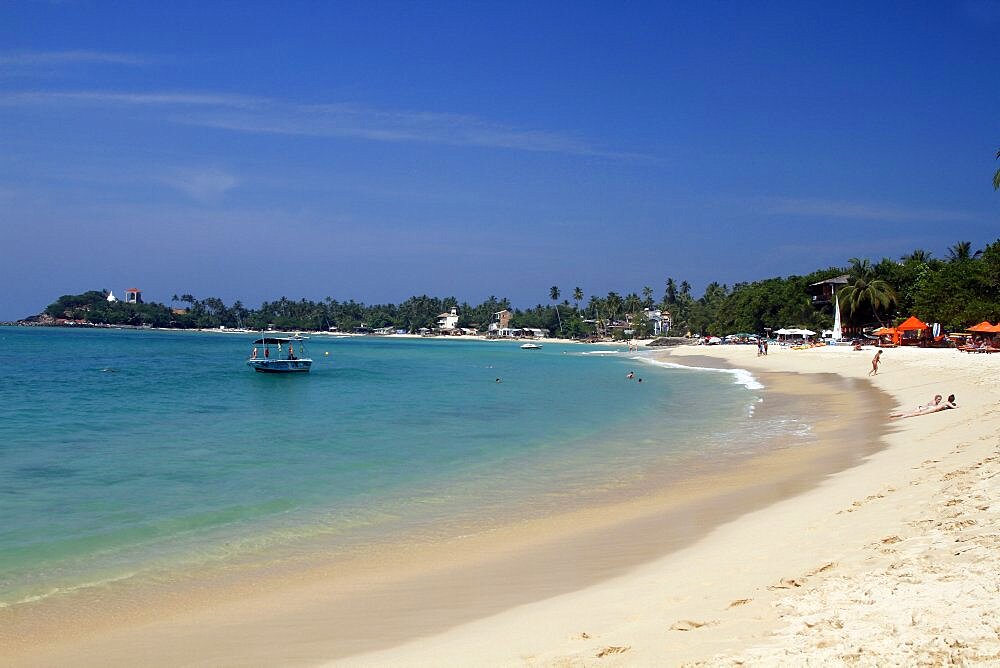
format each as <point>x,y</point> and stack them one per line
<point>24,59</point>
<point>864,211</point>
<point>201,184</point>
<point>108,98</point>
<point>360,122</point>
<point>257,115</point>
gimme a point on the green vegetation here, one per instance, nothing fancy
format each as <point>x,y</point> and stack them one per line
<point>996,176</point>
<point>957,292</point>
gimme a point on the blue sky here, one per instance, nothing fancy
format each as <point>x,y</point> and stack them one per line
<point>378,150</point>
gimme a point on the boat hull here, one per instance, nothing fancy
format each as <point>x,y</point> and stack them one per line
<point>280,366</point>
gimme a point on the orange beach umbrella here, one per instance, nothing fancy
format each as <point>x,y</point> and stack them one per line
<point>984,326</point>
<point>911,324</point>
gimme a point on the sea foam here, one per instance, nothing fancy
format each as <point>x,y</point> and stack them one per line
<point>740,376</point>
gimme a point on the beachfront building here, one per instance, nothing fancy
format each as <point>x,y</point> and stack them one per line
<point>658,320</point>
<point>822,292</point>
<point>133,296</point>
<point>447,322</point>
<point>111,296</point>
<point>519,333</point>
<point>499,322</point>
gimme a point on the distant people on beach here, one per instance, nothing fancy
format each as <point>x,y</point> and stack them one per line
<point>760,347</point>
<point>935,406</point>
<point>875,363</point>
<point>765,347</point>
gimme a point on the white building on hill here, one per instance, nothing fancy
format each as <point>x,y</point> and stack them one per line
<point>447,322</point>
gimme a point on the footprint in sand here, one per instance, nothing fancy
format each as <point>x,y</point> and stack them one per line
<point>738,602</point>
<point>786,583</point>
<point>612,650</point>
<point>820,569</point>
<point>691,625</point>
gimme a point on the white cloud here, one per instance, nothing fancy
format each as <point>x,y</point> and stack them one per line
<point>864,211</point>
<point>27,59</point>
<point>201,184</point>
<point>107,98</point>
<point>243,113</point>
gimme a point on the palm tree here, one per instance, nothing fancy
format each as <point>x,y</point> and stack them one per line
<point>962,251</point>
<point>554,296</point>
<point>632,304</point>
<point>613,304</point>
<point>577,297</point>
<point>919,255</point>
<point>670,296</point>
<point>647,297</point>
<point>996,176</point>
<point>865,290</point>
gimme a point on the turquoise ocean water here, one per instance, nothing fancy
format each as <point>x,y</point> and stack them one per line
<point>126,452</point>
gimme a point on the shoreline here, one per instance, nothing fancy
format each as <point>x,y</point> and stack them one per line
<point>184,628</point>
<point>893,561</point>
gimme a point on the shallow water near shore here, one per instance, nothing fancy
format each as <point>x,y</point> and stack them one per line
<point>124,453</point>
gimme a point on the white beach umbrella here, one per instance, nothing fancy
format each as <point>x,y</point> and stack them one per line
<point>783,331</point>
<point>805,332</point>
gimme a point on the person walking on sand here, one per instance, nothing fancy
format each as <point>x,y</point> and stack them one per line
<point>875,362</point>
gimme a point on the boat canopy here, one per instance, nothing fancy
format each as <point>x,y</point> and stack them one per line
<point>272,341</point>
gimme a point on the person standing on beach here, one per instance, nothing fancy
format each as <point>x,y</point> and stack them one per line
<point>875,362</point>
<point>765,347</point>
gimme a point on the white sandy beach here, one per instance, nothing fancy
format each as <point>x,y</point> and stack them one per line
<point>893,562</point>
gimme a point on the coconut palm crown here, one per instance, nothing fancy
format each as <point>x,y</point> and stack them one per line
<point>866,291</point>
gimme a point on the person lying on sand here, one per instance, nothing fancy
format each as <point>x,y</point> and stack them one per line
<point>929,408</point>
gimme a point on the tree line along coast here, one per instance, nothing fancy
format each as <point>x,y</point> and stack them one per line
<point>957,290</point>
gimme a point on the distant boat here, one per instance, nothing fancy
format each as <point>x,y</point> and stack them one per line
<point>530,346</point>
<point>283,358</point>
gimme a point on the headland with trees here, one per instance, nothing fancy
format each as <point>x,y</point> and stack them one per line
<point>957,290</point>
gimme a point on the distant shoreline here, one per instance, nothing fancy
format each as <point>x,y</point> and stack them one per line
<point>438,337</point>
